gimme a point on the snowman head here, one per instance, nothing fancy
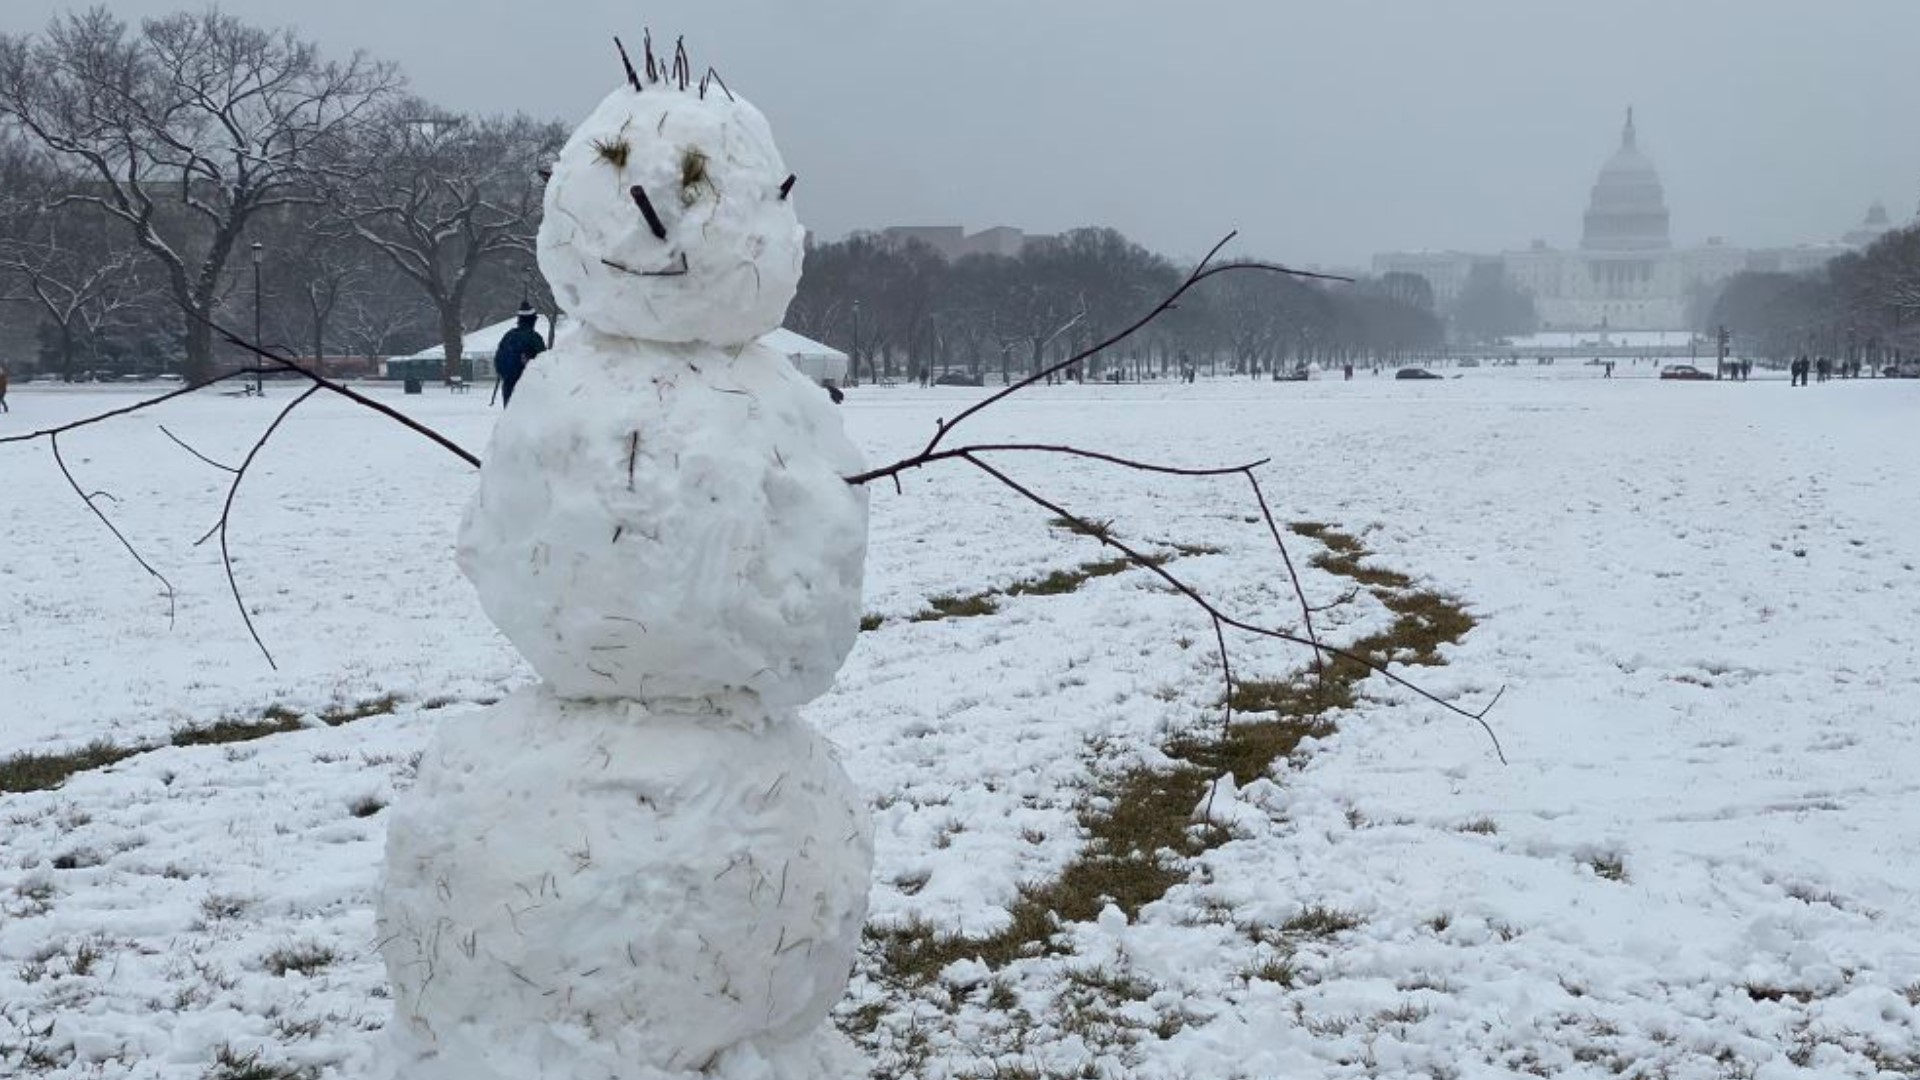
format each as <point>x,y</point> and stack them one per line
<point>669,214</point>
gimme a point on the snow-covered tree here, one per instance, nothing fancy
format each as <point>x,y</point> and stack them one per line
<point>185,131</point>
<point>443,197</point>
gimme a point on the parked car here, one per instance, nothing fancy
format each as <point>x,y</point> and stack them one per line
<point>1415,373</point>
<point>958,378</point>
<point>1468,361</point>
<point>1908,370</point>
<point>1685,372</point>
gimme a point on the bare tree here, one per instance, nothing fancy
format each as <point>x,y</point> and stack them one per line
<point>185,131</point>
<point>1252,315</point>
<point>1411,289</point>
<point>320,270</point>
<point>872,298</point>
<point>1491,306</point>
<point>442,197</point>
<point>67,269</point>
<point>373,324</point>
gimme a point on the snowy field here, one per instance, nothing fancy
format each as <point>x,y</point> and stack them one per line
<point>1703,859</point>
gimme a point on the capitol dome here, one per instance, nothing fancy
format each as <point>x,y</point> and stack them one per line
<point>1628,209</point>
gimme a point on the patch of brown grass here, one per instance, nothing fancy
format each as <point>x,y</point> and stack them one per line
<point>1140,833</point>
<point>44,772</point>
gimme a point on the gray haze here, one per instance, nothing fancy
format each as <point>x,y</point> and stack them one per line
<point>1324,132</point>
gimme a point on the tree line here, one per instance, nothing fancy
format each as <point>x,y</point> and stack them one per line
<point>196,171</point>
<point>1862,306</point>
<point>146,172</point>
<point>901,310</point>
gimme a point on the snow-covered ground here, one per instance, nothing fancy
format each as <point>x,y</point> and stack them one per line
<point>1703,859</point>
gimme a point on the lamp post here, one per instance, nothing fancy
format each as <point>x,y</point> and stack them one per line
<point>259,389</point>
<point>856,343</point>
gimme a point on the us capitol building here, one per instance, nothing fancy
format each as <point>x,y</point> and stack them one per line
<point>1626,275</point>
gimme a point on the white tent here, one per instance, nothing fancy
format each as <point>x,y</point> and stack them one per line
<point>821,363</point>
<point>477,345</point>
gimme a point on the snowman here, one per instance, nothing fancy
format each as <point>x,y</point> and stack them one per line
<point>647,865</point>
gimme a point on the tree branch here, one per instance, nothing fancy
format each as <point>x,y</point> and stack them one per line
<point>226,516</point>
<point>53,441</point>
<point>1105,536</point>
<point>923,459</point>
<point>177,441</point>
<point>1201,272</point>
<point>1306,612</point>
<point>322,382</point>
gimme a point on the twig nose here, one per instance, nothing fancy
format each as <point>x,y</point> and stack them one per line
<point>646,210</point>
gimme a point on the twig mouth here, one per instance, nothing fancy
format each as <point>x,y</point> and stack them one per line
<point>680,269</point>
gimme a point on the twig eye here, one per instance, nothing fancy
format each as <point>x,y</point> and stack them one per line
<point>693,176</point>
<point>786,186</point>
<point>612,151</point>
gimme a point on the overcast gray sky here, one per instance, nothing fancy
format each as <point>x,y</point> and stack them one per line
<point>1323,131</point>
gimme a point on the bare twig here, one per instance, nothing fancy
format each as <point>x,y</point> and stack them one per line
<point>1339,601</point>
<point>226,516</point>
<point>53,440</point>
<point>1223,619</point>
<point>398,417</point>
<point>177,441</point>
<point>633,79</point>
<point>1226,725</point>
<point>1206,268</point>
<point>144,403</point>
<point>1306,612</point>
<point>1201,272</point>
<point>1226,675</point>
<point>713,75</point>
<point>279,365</point>
<point>919,460</point>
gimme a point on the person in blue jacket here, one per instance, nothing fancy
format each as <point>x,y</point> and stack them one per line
<point>518,348</point>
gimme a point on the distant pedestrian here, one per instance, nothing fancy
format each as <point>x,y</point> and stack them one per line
<point>518,348</point>
<point>1348,371</point>
<point>1823,368</point>
<point>3,389</point>
<point>1609,370</point>
<point>1797,372</point>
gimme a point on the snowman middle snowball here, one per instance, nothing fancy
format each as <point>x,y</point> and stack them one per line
<point>663,515</point>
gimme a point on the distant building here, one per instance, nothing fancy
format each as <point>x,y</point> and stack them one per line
<point>1626,273</point>
<point>1876,225</point>
<point>953,241</point>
